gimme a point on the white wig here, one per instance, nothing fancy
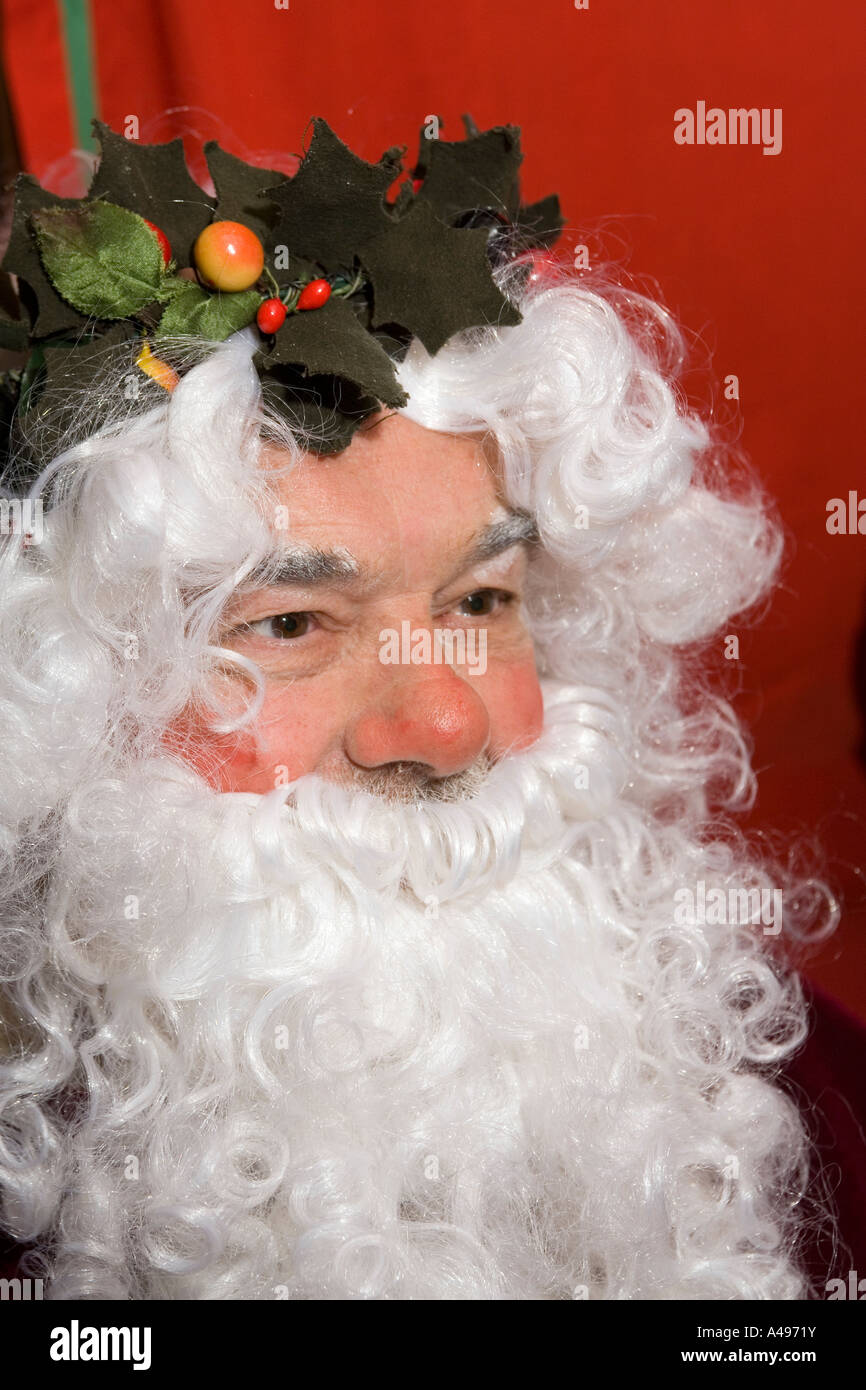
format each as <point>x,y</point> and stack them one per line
<point>666,1161</point>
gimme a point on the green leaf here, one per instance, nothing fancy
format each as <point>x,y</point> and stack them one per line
<point>204,314</point>
<point>335,202</point>
<point>172,286</point>
<point>48,312</point>
<point>331,341</point>
<point>152,180</point>
<point>103,259</point>
<point>432,279</point>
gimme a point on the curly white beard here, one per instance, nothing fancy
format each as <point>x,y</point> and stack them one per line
<point>341,1048</point>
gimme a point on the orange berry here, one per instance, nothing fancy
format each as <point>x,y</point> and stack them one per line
<point>228,256</point>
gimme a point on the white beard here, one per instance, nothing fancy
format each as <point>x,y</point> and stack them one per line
<point>350,1049</point>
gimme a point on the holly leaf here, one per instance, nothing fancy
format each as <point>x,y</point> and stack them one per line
<point>152,180</point>
<point>331,341</point>
<point>205,314</point>
<point>427,140</point>
<point>239,187</point>
<point>478,172</point>
<point>47,311</point>
<point>539,224</point>
<point>54,399</point>
<point>432,279</point>
<point>78,364</point>
<point>104,260</point>
<point>392,159</point>
<point>10,389</point>
<point>335,202</point>
<point>13,333</point>
<point>323,412</point>
<point>291,270</point>
<point>403,199</point>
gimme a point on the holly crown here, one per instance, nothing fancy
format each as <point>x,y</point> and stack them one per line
<point>337,275</point>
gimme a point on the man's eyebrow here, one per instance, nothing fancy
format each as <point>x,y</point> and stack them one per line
<point>515,528</point>
<point>304,565</point>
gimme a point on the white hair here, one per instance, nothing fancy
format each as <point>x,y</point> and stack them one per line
<point>507,1068</point>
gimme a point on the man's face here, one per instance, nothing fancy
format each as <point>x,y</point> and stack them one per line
<point>403,533</point>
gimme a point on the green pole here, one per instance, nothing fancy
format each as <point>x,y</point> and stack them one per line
<point>76,28</point>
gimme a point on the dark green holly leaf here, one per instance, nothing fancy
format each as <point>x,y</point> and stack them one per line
<point>403,199</point>
<point>13,333</point>
<point>334,204</point>
<point>323,412</point>
<point>289,269</point>
<point>10,388</point>
<point>479,172</point>
<point>32,375</point>
<point>76,365</point>
<point>394,339</point>
<point>55,398</point>
<point>392,159</point>
<point>433,279</point>
<point>426,139</point>
<point>207,314</point>
<point>152,180</point>
<point>539,224</point>
<point>101,258</point>
<point>239,190</point>
<point>47,311</point>
<point>331,341</point>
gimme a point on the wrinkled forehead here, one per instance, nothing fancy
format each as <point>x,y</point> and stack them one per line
<point>399,490</point>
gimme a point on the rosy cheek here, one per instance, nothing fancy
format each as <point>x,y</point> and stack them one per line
<point>240,768</point>
<point>517,712</point>
<point>228,762</point>
<point>286,743</point>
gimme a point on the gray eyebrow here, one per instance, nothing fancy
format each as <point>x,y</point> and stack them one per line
<point>501,535</point>
<point>304,564</point>
<point>307,565</point>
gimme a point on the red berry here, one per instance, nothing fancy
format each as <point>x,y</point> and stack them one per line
<point>416,184</point>
<point>314,295</point>
<point>164,243</point>
<point>271,315</point>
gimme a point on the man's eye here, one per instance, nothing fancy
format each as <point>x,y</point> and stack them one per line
<point>483,601</point>
<point>283,625</point>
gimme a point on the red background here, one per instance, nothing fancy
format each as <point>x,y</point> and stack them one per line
<point>758,256</point>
